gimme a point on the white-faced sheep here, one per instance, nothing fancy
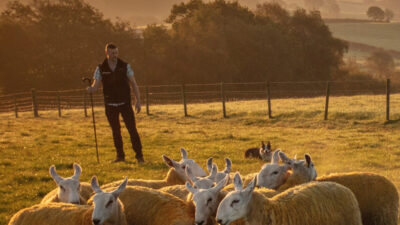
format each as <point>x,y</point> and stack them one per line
<point>147,206</point>
<point>272,175</point>
<point>176,175</point>
<point>69,190</point>
<point>376,195</point>
<point>220,175</point>
<point>313,203</point>
<point>107,210</point>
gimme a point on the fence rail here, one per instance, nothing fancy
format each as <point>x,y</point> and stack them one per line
<point>38,100</point>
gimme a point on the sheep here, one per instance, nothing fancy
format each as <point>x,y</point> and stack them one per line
<point>107,210</point>
<point>69,190</point>
<point>206,201</point>
<point>202,182</point>
<point>312,203</point>
<point>176,174</point>
<point>147,206</point>
<point>377,196</point>
<point>272,175</point>
<point>220,175</point>
<point>264,152</point>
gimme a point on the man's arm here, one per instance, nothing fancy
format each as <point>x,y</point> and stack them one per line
<point>96,81</point>
<point>132,81</point>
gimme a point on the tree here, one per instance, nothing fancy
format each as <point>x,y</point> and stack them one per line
<point>381,64</point>
<point>376,13</point>
<point>389,15</point>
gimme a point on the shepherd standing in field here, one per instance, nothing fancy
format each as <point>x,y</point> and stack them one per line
<point>116,77</point>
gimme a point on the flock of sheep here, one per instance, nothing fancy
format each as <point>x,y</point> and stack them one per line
<point>285,191</point>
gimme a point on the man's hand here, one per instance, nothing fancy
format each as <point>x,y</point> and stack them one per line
<point>137,107</point>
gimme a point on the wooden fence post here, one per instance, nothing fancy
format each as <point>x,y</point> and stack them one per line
<point>84,102</point>
<point>184,99</point>
<point>223,99</point>
<point>15,107</point>
<point>269,99</point>
<point>388,99</point>
<point>328,91</point>
<point>147,100</point>
<point>59,103</point>
<point>34,103</point>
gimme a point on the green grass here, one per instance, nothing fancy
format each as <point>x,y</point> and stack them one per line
<point>355,138</point>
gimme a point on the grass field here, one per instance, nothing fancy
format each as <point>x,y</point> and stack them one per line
<point>355,138</point>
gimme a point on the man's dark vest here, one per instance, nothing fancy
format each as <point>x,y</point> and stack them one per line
<point>116,87</point>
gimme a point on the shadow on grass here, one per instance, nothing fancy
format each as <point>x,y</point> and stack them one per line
<point>392,122</point>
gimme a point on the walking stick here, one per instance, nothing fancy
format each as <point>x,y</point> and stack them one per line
<point>84,79</point>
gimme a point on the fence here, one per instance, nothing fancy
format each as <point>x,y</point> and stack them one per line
<point>185,94</point>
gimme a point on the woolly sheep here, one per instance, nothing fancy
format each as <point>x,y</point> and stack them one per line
<point>220,175</point>
<point>377,196</point>
<point>147,206</point>
<point>107,210</point>
<point>176,174</point>
<point>313,203</point>
<point>273,175</point>
<point>69,190</point>
<point>206,201</point>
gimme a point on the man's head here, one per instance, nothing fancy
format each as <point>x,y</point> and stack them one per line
<point>111,52</point>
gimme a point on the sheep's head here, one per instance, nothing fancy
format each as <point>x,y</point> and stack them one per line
<point>181,165</point>
<point>202,182</point>
<point>220,175</point>
<point>68,188</point>
<point>206,201</point>
<point>106,204</point>
<point>304,168</point>
<point>234,205</point>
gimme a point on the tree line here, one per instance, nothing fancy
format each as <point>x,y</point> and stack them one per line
<point>50,45</point>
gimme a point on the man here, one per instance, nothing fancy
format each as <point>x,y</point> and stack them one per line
<point>116,77</point>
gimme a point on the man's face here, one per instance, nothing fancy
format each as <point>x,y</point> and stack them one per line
<point>112,54</point>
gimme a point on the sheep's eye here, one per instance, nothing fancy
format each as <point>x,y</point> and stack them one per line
<point>183,167</point>
<point>234,201</point>
<point>109,203</point>
<point>275,172</point>
<point>209,200</point>
<point>62,188</point>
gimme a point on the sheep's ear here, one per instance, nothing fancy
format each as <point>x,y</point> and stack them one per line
<point>168,161</point>
<point>95,185</point>
<point>54,174</point>
<point>295,156</point>
<point>250,187</point>
<point>77,171</point>
<point>121,188</point>
<point>269,145</point>
<point>228,164</point>
<point>209,164</point>
<point>214,172</point>
<point>221,184</point>
<point>308,159</point>
<point>190,174</point>
<point>275,157</point>
<point>237,182</point>
<point>191,188</point>
<point>184,153</point>
<point>283,156</point>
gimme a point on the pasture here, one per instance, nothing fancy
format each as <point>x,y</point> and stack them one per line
<point>354,138</point>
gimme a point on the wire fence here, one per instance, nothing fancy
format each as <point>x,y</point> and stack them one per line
<point>185,94</point>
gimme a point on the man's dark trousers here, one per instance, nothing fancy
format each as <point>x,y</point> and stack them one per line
<point>112,113</point>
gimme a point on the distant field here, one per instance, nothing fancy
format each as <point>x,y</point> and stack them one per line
<point>355,138</point>
<point>384,35</point>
